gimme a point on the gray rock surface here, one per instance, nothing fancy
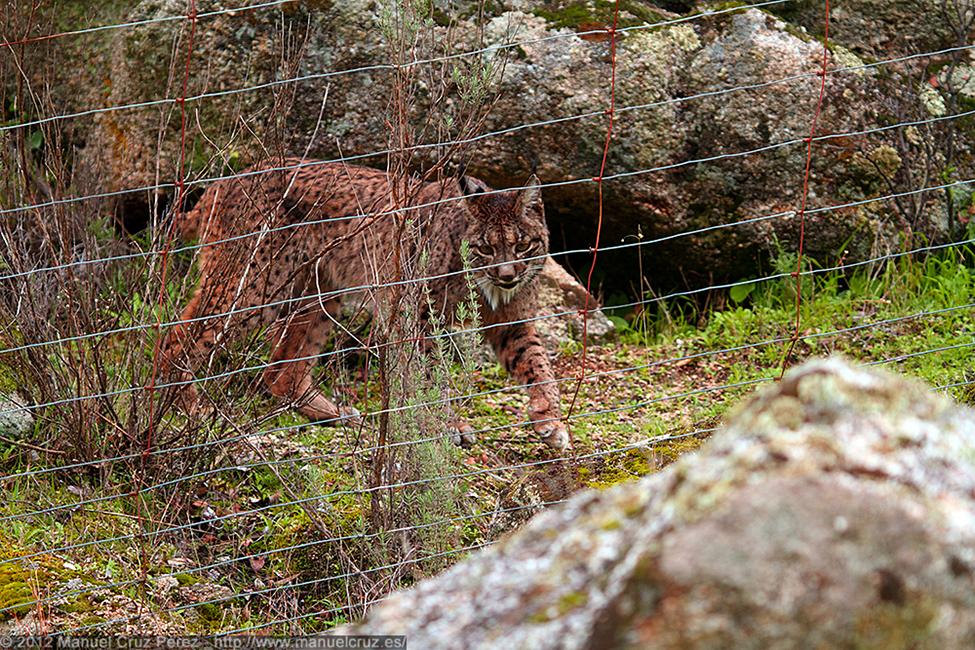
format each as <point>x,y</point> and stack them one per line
<point>882,28</point>
<point>15,422</point>
<point>564,300</point>
<point>553,74</point>
<point>836,509</point>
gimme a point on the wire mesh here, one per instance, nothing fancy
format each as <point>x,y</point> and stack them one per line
<point>258,498</point>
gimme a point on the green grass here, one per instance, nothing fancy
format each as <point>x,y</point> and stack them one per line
<point>666,381</point>
<point>837,314</point>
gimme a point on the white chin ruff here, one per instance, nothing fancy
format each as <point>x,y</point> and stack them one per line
<point>495,295</point>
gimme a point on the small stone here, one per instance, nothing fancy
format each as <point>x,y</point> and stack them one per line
<point>16,421</point>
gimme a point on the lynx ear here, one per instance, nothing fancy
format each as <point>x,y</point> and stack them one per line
<point>471,186</point>
<point>531,196</point>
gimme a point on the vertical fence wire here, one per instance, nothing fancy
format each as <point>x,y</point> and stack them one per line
<point>804,196</point>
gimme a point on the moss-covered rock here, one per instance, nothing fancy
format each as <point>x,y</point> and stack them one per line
<point>16,595</point>
<point>834,510</point>
<point>19,587</point>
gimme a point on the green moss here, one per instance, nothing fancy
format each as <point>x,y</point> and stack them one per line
<point>635,462</point>
<point>288,530</point>
<point>441,17</point>
<point>8,383</point>
<point>618,469</point>
<point>18,587</point>
<point>670,451</point>
<point>724,6</point>
<point>584,16</point>
<point>186,579</point>
<point>79,605</point>
<point>566,603</point>
<point>210,612</point>
<point>571,16</point>
<point>541,616</point>
<point>572,600</point>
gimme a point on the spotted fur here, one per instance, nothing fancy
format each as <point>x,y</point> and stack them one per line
<point>278,263</point>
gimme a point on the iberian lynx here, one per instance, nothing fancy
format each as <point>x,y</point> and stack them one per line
<point>292,242</point>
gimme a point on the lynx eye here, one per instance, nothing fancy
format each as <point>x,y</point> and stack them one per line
<point>484,250</point>
<point>523,248</point>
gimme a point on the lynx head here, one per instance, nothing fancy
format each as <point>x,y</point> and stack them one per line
<point>507,230</point>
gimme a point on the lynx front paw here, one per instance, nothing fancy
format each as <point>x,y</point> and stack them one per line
<point>461,433</point>
<point>322,410</point>
<point>554,434</point>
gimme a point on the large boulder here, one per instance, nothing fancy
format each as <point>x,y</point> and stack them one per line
<point>883,28</point>
<point>556,81</point>
<point>835,510</point>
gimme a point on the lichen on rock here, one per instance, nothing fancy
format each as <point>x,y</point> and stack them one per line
<point>836,509</point>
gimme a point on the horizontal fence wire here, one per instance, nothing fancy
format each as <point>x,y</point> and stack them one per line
<point>510,388</point>
<point>246,594</point>
<point>460,476</point>
<point>380,66</point>
<point>376,286</point>
<point>957,384</point>
<point>324,499</point>
<point>298,617</point>
<point>122,584</point>
<point>238,438</point>
<point>74,466</point>
<point>465,549</point>
<point>292,548</point>
<point>639,445</point>
<point>462,141</point>
<point>281,168</point>
<point>656,299</point>
<point>362,491</point>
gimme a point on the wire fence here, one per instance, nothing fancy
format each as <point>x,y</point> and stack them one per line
<point>135,506</point>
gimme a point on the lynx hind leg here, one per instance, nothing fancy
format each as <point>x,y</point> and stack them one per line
<point>296,343</point>
<point>184,346</point>
<point>218,309</point>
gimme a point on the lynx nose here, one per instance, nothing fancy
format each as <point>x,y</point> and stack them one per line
<point>507,273</point>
